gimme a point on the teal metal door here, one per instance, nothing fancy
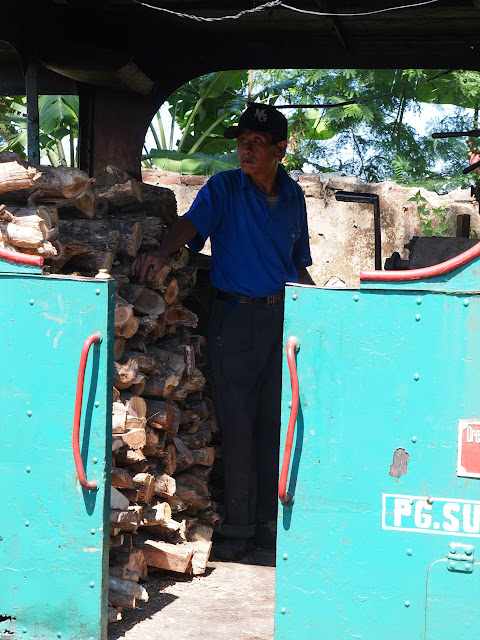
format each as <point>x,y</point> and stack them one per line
<point>381,539</point>
<point>54,532</point>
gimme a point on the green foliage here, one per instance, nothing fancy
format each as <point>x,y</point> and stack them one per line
<point>193,163</point>
<point>433,221</point>
<point>58,119</point>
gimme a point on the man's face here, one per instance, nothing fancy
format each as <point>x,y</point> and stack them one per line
<point>257,154</point>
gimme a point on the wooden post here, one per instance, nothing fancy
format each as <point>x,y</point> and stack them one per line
<point>33,128</point>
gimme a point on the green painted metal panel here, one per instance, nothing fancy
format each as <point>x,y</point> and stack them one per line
<point>385,375</point>
<point>54,533</point>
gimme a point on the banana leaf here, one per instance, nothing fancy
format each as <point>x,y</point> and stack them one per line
<point>192,164</point>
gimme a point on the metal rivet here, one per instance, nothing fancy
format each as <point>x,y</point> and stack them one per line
<point>409,552</point>
<point>92,531</point>
<point>59,635</point>
<point>285,556</point>
<point>452,564</point>
<point>453,550</point>
<point>417,317</point>
<point>92,584</point>
<point>289,405</point>
<point>97,403</point>
<point>28,469</point>
<point>419,301</point>
<point>27,523</point>
<point>468,565</point>
<point>97,292</point>
<point>95,460</point>
<point>466,302</point>
<point>24,631</point>
<point>294,296</point>
<point>407,603</point>
<point>284,610</point>
<point>468,552</point>
<point>356,298</point>
<point>429,500</point>
<point>31,302</point>
<point>416,376</point>
<point>414,438</point>
<point>29,413</point>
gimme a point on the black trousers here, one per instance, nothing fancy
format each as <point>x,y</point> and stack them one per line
<point>245,351</point>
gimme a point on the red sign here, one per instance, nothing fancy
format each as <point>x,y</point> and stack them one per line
<point>468,462</point>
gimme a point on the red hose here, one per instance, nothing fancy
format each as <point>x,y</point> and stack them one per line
<point>95,337</point>
<point>426,272</point>
<point>21,258</point>
<point>284,496</point>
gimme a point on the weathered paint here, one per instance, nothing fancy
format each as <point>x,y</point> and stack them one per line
<point>362,553</point>
<point>53,536</point>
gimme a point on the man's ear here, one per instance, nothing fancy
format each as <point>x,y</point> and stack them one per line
<point>281,149</point>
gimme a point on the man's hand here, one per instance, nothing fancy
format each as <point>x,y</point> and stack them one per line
<point>147,265</point>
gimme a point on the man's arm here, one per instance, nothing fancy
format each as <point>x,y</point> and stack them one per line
<point>304,277</point>
<point>146,265</point>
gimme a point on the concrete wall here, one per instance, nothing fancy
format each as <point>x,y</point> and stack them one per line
<point>341,233</point>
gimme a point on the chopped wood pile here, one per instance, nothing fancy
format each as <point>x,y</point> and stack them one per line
<point>161,516</point>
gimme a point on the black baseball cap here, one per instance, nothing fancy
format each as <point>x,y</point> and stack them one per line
<point>260,117</point>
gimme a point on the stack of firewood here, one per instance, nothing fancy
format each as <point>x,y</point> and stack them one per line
<point>163,422</point>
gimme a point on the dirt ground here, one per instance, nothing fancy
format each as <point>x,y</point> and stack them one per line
<point>232,601</point>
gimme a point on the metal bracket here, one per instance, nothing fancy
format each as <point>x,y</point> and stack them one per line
<point>461,557</point>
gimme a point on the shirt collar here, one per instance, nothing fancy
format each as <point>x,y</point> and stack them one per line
<point>286,185</point>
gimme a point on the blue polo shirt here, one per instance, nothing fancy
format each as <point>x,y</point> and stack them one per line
<point>255,251</point>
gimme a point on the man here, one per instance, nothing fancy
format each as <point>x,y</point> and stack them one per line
<point>256,219</point>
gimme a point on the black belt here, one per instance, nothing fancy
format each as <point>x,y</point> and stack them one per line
<point>237,297</point>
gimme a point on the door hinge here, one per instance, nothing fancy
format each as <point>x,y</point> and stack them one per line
<point>461,557</point>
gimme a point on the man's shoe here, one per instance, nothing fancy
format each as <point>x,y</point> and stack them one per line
<point>231,548</point>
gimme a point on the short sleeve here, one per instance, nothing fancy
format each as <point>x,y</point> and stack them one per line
<point>206,211</point>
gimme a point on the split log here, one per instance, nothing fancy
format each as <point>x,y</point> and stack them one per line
<point>129,329</point>
<point>118,347</point>
<point>204,456</point>
<point>145,485</point>
<point>165,486</point>
<point>122,314</point>
<point>119,417</point>
<point>54,182</point>
<point>122,479</point>
<point>132,458</point>
<point>208,517</point>
<point>200,438</point>
<point>171,557</point>
<point>134,438</point>
<point>167,461</point>
<point>200,532</point>
<point>124,374</point>
<point>192,490</point>
<point>118,501</point>
<point>173,531</point>
<point>188,385</point>
<point>146,362</point>
<point>155,442</point>
<point>200,556</point>
<point>162,384</point>
<point>84,249</point>
<point>118,588</point>
<point>117,196</point>
<point>116,540</point>
<point>159,414</point>
<point>132,559</point>
<point>179,315</point>
<point>134,404</point>
<point>126,520</point>
<point>171,291</point>
<point>145,301</point>
<point>157,202</point>
<point>113,614</point>
<point>159,513</point>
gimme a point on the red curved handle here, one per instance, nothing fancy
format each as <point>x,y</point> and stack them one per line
<point>286,497</point>
<point>95,337</point>
<point>424,272</point>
